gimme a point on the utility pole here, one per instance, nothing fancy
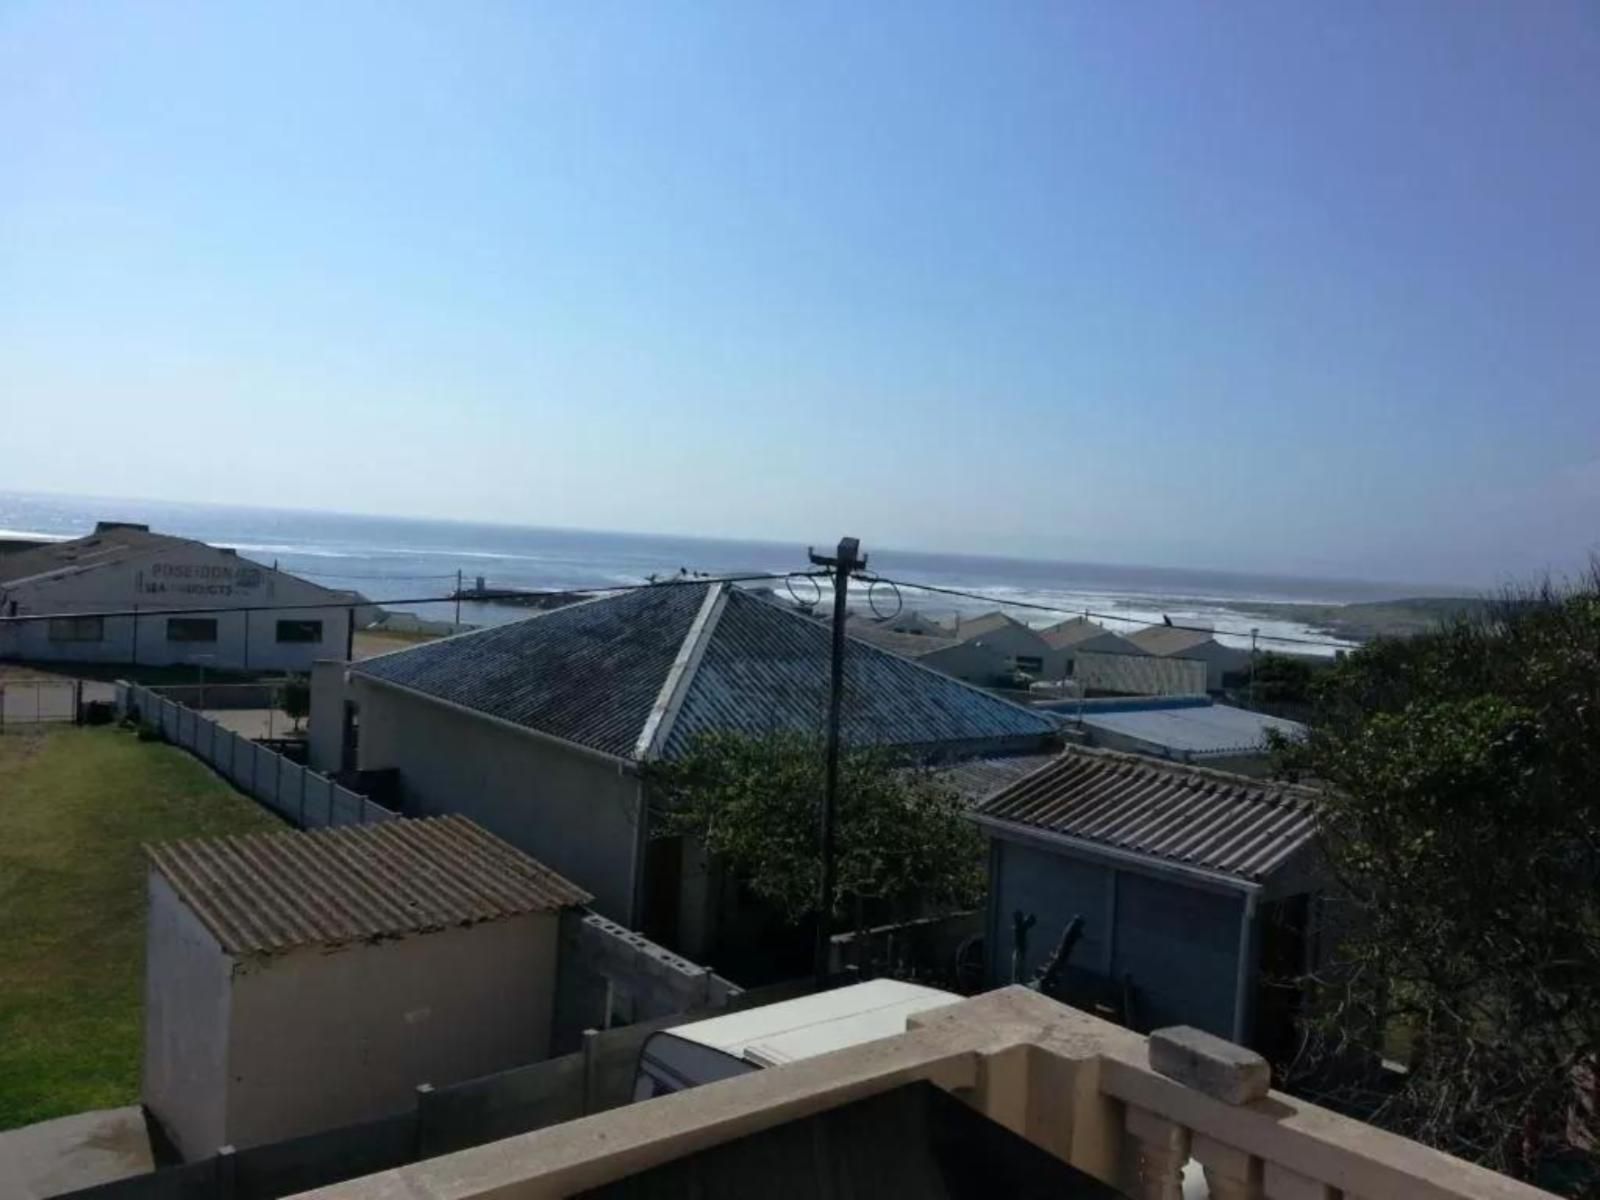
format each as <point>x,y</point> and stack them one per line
<point>1253,631</point>
<point>458,600</point>
<point>848,558</point>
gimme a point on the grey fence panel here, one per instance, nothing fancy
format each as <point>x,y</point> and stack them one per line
<point>318,799</point>
<point>371,813</point>
<point>319,1159</point>
<point>169,721</point>
<point>207,742</point>
<point>190,1181</point>
<point>244,764</point>
<point>348,808</point>
<point>500,1106</point>
<point>264,779</point>
<point>186,723</point>
<point>121,691</point>
<point>291,795</point>
<point>616,1060</point>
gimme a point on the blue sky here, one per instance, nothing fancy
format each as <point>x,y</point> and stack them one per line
<point>1289,287</point>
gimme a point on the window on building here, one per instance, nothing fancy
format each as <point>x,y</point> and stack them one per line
<point>191,629</point>
<point>299,631</point>
<point>1030,662</point>
<point>77,629</point>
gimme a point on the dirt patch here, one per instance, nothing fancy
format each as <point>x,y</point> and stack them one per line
<point>370,645</point>
<point>22,743</point>
<point>20,673</point>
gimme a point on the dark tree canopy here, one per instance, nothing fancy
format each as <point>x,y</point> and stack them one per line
<point>755,803</point>
<point>1463,824</point>
<point>296,698</point>
<point>1280,679</point>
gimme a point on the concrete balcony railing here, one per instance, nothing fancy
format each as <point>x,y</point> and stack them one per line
<point>1129,1110</point>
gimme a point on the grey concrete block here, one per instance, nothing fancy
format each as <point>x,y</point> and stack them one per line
<point>1208,1064</point>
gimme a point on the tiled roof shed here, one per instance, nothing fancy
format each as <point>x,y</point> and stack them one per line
<point>1222,824</point>
<point>1169,639</point>
<point>269,892</point>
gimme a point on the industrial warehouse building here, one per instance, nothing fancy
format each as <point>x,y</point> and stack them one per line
<point>244,616</point>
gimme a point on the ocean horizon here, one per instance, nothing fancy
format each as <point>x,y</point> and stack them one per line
<point>409,560</point>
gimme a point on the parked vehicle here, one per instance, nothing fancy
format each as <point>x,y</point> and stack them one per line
<point>722,1047</point>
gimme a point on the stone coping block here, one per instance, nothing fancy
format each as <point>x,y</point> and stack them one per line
<point>1208,1064</point>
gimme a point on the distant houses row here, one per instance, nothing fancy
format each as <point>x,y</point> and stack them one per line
<point>996,649</point>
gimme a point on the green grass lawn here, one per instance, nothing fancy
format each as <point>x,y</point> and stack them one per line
<point>75,807</point>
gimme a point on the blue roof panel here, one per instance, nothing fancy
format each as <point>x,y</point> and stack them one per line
<point>1195,729</point>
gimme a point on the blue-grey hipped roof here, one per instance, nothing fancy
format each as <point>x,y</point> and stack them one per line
<point>637,675</point>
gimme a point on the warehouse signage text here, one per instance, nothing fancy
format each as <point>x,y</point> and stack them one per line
<point>200,579</point>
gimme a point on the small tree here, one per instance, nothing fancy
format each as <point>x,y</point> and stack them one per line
<point>1463,822</point>
<point>1282,680</point>
<point>755,803</point>
<point>296,692</point>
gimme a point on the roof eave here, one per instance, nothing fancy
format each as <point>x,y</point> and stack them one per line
<point>1148,864</point>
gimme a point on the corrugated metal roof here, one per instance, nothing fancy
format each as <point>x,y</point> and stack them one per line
<point>593,674</point>
<point>76,554</point>
<point>1066,634</point>
<point>968,628</point>
<point>1198,730</point>
<point>266,892</point>
<point>589,673</point>
<point>765,668</point>
<point>1204,819</point>
<point>911,645</point>
<point>978,779</point>
<point>1169,639</point>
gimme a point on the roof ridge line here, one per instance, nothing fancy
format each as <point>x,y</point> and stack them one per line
<point>664,713</point>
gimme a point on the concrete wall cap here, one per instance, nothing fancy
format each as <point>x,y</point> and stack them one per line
<point>1208,1064</point>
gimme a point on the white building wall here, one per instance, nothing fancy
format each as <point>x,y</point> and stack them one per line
<point>577,813</point>
<point>967,661</point>
<point>189,576</point>
<point>324,1037</point>
<point>325,726</point>
<point>1011,642</point>
<point>186,1009</point>
<point>1219,659</point>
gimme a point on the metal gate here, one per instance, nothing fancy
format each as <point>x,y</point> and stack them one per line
<point>39,701</point>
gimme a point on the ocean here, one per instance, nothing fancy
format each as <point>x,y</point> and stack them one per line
<point>412,560</point>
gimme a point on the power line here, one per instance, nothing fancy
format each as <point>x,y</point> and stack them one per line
<point>368,578</point>
<point>488,596</point>
<point>1058,610</point>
